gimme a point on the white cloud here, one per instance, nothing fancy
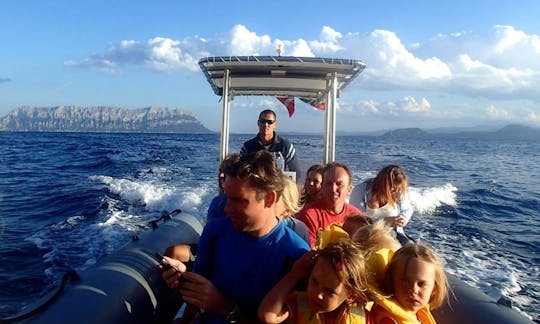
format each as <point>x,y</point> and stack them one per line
<point>533,117</point>
<point>328,42</point>
<point>509,38</point>
<point>370,105</point>
<point>158,53</point>
<point>498,113</point>
<point>301,48</point>
<point>392,63</point>
<point>409,104</point>
<point>503,62</point>
<point>245,42</point>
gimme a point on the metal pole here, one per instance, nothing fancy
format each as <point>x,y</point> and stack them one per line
<point>224,141</point>
<point>333,94</point>
<point>326,149</point>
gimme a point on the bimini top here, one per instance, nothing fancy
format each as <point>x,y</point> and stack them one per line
<point>304,77</point>
<point>312,79</point>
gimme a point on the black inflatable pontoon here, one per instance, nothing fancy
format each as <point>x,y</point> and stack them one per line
<point>123,287</point>
<point>126,287</point>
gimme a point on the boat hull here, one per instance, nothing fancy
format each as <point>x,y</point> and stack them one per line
<point>123,287</point>
<point>126,286</point>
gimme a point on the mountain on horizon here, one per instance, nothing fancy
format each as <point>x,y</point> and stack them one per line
<point>406,133</point>
<point>512,131</point>
<point>101,119</point>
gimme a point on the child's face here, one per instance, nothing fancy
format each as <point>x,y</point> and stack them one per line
<point>325,290</point>
<point>313,182</point>
<point>413,282</point>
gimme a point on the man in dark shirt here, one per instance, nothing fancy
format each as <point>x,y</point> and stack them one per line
<point>268,140</point>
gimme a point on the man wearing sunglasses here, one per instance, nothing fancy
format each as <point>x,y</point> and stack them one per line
<point>268,140</point>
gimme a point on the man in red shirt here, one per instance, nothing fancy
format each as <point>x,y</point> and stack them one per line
<point>331,207</point>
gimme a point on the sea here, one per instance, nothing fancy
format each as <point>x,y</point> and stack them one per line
<point>68,199</point>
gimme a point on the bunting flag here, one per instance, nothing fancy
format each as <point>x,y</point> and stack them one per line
<point>288,102</point>
<point>321,105</point>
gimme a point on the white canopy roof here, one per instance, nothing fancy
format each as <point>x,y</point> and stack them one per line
<point>306,77</point>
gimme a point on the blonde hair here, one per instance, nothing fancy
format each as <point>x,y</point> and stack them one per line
<point>349,263</point>
<point>425,254</point>
<point>376,236</point>
<point>388,178</point>
<point>290,197</point>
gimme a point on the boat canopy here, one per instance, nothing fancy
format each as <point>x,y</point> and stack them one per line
<point>310,78</point>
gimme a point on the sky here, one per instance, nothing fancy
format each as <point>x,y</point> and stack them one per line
<point>429,64</point>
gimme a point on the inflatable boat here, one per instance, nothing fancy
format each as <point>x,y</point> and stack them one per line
<point>123,287</point>
<point>126,286</point>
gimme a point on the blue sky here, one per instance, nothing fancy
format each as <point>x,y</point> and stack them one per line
<point>429,63</point>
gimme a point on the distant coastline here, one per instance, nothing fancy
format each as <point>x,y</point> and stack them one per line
<point>511,131</point>
<point>101,119</point>
<point>165,120</point>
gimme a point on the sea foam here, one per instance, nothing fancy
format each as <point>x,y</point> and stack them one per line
<point>426,200</point>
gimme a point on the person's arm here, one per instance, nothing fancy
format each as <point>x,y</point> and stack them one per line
<point>243,150</point>
<point>273,307</point>
<point>248,146</point>
<point>290,158</point>
<point>359,196</point>
<point>405,209</point>
<point>180,252</point>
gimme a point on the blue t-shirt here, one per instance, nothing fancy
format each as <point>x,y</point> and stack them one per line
<point>242,267</point>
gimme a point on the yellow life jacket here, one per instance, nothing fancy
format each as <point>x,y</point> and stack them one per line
<point>348,315</point>
<point>376,267</point>
<point>333,233</point>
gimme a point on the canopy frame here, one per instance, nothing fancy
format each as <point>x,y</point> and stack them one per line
<point>313,78</point>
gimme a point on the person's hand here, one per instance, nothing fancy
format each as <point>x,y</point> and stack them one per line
<point>395,221</point>
<point>201,292</point>
<point>172,275</point>
<point>303,266</point>
<point>401,221</point>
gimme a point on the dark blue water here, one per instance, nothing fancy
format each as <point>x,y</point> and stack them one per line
<point>67,199</point>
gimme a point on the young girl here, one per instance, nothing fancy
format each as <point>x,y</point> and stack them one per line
<point>417,281</point>
<point>313,184</point>
<point>385,197</point>
<point>335,290</point>
<point>338,231</point>
<point>288,205</point>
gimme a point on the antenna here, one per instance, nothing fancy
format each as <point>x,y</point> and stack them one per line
<point>279,49</point>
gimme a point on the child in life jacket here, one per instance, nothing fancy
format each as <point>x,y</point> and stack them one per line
<point>417,283</point>
<point>335,290</point>
<point>338,231</point>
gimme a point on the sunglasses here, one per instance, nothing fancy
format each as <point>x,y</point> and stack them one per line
<point>266,121</point>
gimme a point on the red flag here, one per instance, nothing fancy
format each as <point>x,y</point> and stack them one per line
<point>321,105</point>
<point>289,103</point>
